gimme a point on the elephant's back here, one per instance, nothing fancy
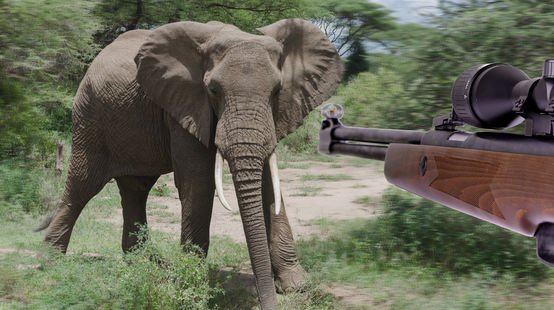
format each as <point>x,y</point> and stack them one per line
<point>114,66</point>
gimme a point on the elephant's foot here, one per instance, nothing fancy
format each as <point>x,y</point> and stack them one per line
<point>290,279</point>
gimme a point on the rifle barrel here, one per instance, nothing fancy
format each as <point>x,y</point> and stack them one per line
<point>377,135</point>
<point>376,152</point>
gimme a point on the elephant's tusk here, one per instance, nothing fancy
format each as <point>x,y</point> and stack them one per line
<point>275,181</point>
<point>219,180</point>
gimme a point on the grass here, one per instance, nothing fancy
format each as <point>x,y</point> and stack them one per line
<point>160,189</point>
<point>116,281</point>
<point>286,165</point>
<point>367,201</point>
<point>155,206</point>
<point>414,256</point>
<point>308,191</point>
<point>326,177</point>
<point>160,213</point>
<point>407,284</point>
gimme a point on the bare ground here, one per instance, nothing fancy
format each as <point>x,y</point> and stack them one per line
<point>311,190</point>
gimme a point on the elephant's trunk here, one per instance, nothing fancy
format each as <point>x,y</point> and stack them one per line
<point>245,135</point>
<point>247,176</point>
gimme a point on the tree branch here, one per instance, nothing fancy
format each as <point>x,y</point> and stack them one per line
<point>258,10</point>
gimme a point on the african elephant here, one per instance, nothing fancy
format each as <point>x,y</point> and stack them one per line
<point>182,98</point>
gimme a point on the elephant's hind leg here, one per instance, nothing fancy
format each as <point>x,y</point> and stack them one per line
<point>134,192</point>
<point>80,187</point>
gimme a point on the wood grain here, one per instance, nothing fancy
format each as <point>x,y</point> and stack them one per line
<point>510,190</point>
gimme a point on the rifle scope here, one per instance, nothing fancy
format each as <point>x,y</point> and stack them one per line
<point>499,96</point>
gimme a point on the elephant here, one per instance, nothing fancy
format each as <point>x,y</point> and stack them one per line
<point>184,97</point>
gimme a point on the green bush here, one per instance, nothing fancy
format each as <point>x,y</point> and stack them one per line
<point>381,99</point>
<point>416,231</point>
<point>306,137</point>
<point>164,278</point>
<point>157,275</point>
<point>20,122</point>
<point>27,188</point>
<point>19,187</point>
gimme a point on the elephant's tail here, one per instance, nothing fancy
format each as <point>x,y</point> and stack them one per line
<point>45,223</point>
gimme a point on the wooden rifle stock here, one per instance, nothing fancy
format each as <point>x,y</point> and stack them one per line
<point>508,189</point>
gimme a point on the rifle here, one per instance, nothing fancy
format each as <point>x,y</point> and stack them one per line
<point>498,177</point>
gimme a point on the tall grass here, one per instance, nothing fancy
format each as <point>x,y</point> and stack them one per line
<point>157,275</point>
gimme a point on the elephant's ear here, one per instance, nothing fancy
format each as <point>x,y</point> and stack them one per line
<point>311,70</point>
<point>170,69</point>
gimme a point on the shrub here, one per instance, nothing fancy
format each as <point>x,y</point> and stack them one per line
<point>414,230</point>
<point>156,275</point>
<point>164,277</point>
<point>19,121</point>
<point>433,234</point>
<point>19,186</point>
<point>27,188</point>
<point>380,100</point>
<point>306,137</point>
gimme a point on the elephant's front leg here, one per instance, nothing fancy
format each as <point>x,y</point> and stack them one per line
<point>284,260</point>
<point>193,166</point>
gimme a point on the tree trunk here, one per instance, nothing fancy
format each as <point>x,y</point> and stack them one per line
<point>59,156</point>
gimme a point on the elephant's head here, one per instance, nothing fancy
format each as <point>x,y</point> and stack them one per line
<point>252,89</point>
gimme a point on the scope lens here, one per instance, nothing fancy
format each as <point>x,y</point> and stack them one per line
<point>482,96</point>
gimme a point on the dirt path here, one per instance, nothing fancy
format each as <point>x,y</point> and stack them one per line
<point>311,190</point>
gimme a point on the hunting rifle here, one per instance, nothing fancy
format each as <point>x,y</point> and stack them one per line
<point>498,177</point>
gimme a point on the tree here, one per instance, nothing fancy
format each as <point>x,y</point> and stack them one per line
<point>471,32</point>
<point>46,41</point>
<point>122,15</point>
<point>357,61</point>
<point>347,21</point>
<point>19,121</point>
<point>46,47</point>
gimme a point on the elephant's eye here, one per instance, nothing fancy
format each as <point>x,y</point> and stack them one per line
<point>212,90</point>
<point>276,89</point>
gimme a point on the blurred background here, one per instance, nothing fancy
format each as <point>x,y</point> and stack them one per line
<point>401,58</point>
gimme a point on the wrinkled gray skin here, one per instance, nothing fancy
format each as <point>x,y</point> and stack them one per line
<point>158,101</point>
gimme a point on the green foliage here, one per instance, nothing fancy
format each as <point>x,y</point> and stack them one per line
<point>46,48</point>
<point>19,188</point>
<point>474,32</point>
<point>26,188</point>
<point>120,16</point>
<point>416,232</point>
<point>381,99</point>
<point>348,21</point>
<point>434,234</point>
<point>47,41</point>
<point>326,177</point>
<point>306,137</point>
<point>19,122</point>
<point>160,190</point>
<point>164,279</point>
<point>157,276</point>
